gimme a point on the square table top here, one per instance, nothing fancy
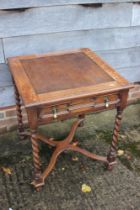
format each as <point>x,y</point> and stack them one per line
<point>59,76</point>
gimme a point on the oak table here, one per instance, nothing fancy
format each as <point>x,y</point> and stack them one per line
<point>62,85</point>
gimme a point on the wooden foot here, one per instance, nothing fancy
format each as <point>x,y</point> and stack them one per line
<point>38,183</point>
<point>111,157</point>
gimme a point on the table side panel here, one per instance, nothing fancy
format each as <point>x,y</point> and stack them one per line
<point>77,107</point>
<point>82,92</point>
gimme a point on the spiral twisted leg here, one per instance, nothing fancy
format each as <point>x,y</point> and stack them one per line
<point>35,149</point>
<point>19,115</point>
<point>36,160</point>
<point>112,153</point>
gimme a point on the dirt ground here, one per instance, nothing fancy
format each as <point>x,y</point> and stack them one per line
<point>116,190</point>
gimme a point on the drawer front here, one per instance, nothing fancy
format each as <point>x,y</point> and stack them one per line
<point>79,106</point>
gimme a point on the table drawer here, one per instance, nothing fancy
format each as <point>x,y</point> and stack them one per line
<point>79,106</point>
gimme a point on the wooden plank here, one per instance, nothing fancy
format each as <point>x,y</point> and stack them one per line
<point>63,18</point>
<point>121,58</point>
<point>136,15</point>
<point>5,76</point>
<point>6,4</point>
<point>132,74</point>
<point>97,39</point>
<point>1,52</point>
<point>7,96</point>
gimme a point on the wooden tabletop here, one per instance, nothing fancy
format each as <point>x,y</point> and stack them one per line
<point>55,77</point>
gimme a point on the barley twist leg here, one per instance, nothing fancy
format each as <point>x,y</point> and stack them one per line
<point>19,115</point>
<point>35,149</point>
<point>36,158</point>
<point>111,157</point>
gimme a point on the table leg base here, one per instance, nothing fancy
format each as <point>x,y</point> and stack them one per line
<point>61,146</point>
<point>37,183</point>
<point>110,165</point>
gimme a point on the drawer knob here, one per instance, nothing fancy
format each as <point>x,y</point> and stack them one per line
<point>106,102</point>
<point>54,113</point>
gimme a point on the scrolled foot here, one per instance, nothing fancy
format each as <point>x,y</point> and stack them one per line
<point>110,166</point>
<point>38,183</point>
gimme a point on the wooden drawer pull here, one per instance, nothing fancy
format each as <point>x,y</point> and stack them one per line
<point>55,113</point>
<point>106,102</point>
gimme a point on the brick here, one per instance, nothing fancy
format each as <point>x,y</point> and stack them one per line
<point>132,101</point>
<point>2,115</point>
<point>11,113</point>
<point>136,88</point>
<point>135,92</point>
<point>24,111</point>
<point>136,95</point>
<point>6,122</point>
<point>12,127</point>
<point>3,129</point>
